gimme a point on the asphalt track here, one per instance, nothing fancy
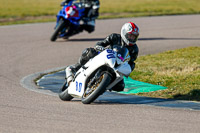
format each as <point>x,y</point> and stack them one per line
<point>26,49</point>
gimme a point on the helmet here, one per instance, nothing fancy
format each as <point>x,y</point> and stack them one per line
<point>130,33</point>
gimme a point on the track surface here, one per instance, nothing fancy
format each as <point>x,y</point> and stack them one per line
<point>26,49</point>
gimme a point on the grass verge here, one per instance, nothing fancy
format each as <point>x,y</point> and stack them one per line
<point>179,70</point>
<point>23,11</point>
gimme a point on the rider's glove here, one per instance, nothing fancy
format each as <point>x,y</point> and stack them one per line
<point>99,48</point>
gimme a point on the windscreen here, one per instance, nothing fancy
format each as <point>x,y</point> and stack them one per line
<point>122,53</point>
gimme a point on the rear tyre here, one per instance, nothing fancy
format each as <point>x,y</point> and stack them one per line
<point>61,25</point>
<point>63,94</point>
<point>97,89</point>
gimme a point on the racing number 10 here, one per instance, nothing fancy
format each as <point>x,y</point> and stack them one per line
<point>78,86</point>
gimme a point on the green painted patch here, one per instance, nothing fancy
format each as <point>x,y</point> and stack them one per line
<point>133,86</point>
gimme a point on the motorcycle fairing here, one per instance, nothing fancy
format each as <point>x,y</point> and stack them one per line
<point>107,57</point>
<point>125,69</point>
<point>70,12</point>
<point>78,86</point>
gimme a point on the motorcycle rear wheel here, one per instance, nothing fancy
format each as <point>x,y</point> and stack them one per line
<point>97,89</point>
<point>63,94</point>
<point>61,25</point>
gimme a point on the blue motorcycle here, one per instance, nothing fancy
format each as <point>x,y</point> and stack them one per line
<point>68,20</point>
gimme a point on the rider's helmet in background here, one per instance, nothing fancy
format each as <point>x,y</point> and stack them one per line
<point>130,33</point>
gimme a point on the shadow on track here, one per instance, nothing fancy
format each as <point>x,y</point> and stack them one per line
<point>192,95</point>
<point>111,98</point>
<point>86,39</point>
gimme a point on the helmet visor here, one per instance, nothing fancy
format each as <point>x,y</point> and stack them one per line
<point>131,37</point>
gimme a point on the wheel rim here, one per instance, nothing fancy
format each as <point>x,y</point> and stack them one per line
<point>93,88</point>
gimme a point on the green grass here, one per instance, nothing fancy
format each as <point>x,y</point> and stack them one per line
<point>25,11</point>
<point>132,8</point>
<point>179,70</point>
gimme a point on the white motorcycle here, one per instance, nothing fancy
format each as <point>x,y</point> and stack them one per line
<point>99,74</point>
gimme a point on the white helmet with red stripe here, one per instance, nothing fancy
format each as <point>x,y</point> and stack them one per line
<point>130,33</point>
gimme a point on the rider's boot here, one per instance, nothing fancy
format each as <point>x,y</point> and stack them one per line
<point>76,67</point>
<point>69,75</point>
<point>71,71</point>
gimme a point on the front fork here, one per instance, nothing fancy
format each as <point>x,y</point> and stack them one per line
<point>95,78</point>
<point>63,31</point>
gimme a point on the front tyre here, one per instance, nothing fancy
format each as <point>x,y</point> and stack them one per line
<point>61,25</point>
<point>63,94</point>
<point>98,88</point>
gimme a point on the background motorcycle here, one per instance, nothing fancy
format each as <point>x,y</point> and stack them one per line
<point>99,74</point>
<point>68,20</point>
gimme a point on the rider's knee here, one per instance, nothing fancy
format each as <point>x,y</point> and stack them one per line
<point>87,54</point>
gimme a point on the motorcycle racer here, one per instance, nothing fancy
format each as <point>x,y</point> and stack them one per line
<point>91,13</point>
<point>128,38</point>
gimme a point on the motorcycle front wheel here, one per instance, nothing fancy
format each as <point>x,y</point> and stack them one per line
<point>61,25</point>
<point>63,94</point>
<point>98,88</point>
